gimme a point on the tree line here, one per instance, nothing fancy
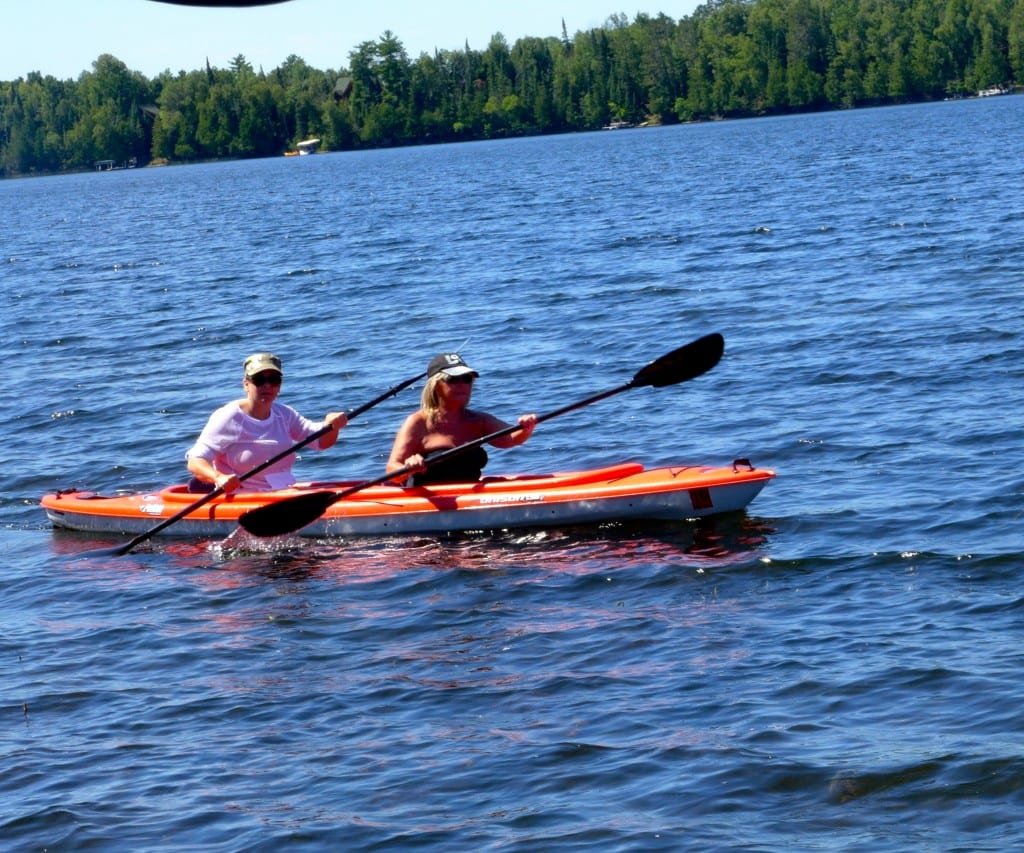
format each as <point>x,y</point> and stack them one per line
<point>729,59</point>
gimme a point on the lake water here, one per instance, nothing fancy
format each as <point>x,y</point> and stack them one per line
<point>838,667</point>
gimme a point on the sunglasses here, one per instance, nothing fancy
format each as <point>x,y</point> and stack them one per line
<point>465,379</point>
<point>261,379</point>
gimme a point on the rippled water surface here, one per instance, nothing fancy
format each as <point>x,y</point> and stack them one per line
<point>838,667</point>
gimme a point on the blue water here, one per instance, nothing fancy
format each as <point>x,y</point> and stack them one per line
<point>836,668</point>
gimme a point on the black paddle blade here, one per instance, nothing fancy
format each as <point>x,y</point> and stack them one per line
<point>687,362</point>
<point>288,515</point>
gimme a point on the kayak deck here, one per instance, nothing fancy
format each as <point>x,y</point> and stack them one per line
<point>626,491</point>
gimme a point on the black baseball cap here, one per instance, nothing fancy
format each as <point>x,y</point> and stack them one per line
<point>449,364</point>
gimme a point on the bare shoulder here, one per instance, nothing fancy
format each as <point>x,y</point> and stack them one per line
<point>483,422</point>
<point>414,425</point>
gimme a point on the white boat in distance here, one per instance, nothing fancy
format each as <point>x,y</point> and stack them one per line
<point>307,146</point>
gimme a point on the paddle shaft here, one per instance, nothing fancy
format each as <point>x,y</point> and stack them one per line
<point>218,491</point>
<point>486,439</point>
<point>291,514</point>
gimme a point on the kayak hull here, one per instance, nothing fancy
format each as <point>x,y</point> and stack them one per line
<point>625,492</point>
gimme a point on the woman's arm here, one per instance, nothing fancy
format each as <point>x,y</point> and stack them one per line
<point>337,422</point>
<point>408,446</point>
<point>220,431</point>
<point>526,427</point>
<point>204,470</point>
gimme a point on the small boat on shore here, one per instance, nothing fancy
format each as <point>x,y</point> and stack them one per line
<point>994,91</point>
<point>307,146</point>
<point>624,492</point>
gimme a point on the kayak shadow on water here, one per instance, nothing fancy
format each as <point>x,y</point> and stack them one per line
<point>714,542</point>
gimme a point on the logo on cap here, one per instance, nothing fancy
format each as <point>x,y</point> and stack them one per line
<point>449,363</point>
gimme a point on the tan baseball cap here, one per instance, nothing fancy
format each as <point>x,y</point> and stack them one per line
<point>260,361</point>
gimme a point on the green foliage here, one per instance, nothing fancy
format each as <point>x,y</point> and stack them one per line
<point>731,58</point>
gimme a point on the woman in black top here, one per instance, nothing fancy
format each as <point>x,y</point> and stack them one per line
<point>444,421</point>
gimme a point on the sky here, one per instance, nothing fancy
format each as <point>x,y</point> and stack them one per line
<point>63,38</point>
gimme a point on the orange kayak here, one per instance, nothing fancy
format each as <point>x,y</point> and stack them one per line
<point>623,492</point>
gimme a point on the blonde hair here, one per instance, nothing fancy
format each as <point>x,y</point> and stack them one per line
<point>430,402</point>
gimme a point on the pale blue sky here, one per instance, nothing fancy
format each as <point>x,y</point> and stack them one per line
<point>64,37</point>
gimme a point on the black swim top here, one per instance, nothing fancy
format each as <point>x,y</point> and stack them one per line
<point>465,467</point>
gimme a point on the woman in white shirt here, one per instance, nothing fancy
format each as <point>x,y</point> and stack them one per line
<point>245,433</point>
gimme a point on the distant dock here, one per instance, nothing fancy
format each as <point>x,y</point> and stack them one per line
<point>113,165</point>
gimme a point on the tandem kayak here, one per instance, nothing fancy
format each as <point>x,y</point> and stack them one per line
<point>623,492</point>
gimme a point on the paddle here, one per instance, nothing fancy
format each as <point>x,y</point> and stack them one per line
<point>217,492</point>
<point>291,514</point>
